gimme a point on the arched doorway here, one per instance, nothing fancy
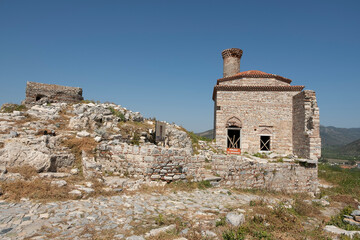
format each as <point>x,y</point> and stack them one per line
<point>233,132</point>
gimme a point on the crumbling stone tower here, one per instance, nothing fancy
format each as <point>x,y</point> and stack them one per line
<point>256,111</point>
<point>39,93</point>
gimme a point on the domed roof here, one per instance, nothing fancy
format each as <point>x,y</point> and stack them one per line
<point>254,74</point>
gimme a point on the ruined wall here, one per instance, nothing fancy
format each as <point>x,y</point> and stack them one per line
<point>171,164</point>
<point>306,125</point>
<point>242,173</point>
<point>259,112</point>
<point>155,162</point>
<point>254,82</point>
<point>50,93</point>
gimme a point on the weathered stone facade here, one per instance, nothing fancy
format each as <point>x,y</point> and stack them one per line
<point>51,93</point>
<point>269,113</point>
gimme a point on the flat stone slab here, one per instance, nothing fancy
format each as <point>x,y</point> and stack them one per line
<point>335,230</point>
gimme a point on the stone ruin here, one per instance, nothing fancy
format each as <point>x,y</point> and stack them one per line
<point>39,93</point>
<point>257,109</point>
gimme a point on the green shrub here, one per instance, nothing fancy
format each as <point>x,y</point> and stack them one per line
<point>118,114</point>
<point>160,220</point>
<point>9,108</point>
<point>220,222</point>
<point>346,181</point>
<point>204,184</point>
<point>232,234</point>
<point>260,155</point>
<point>338,220</point>
<point>136,138</point>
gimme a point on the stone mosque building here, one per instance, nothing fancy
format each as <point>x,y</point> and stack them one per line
<point>256,111</point>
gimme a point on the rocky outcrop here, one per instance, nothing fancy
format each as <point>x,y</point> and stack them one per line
<point>176,137</point>
<point>39,153</point>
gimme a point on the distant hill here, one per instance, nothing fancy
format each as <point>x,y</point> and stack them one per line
<point>333,136</point>
<point>352,149</point>
<point>207,134</point>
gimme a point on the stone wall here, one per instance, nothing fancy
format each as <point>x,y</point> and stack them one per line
<point>150,161</point>
<point>306,125</point>
<point>260,112</point>
<point>171,164</point>
<point>242,172</point>
<point>50,93</point>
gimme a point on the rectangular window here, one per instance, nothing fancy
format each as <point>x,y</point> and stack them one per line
<point>264,143</point>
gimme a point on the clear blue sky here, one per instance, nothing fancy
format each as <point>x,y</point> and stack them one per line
<point>162,58</point>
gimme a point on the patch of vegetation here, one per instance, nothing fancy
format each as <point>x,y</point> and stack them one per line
<point>89,101</point>
<point>135,139</point>
<point>118,114</point>
<point>338,220</point>
<point>160,220</point>
<point>260,155</point>
<point>195,140</point>
<point>127,129</point>
<point>302,208</point>
<point>38,189</point>
<point>204,184</point>
<point>189,186</point>
<point>208,167</point>
<point>277,223</point>
<point>26,171</point>
<point>77,145</point>
<point>221,222</point>
<point>346,181</point>
<point>9,108</point>
<point>232,234</point>
<point>338,152</point>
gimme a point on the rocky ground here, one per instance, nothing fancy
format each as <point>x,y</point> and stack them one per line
<point>46,194</point>
<point>121,216</point>
<point>159,212</point>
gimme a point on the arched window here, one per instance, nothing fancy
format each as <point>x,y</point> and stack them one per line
<point>265,140</point>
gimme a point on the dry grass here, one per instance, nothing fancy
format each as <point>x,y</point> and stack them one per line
<point>305,209</point>
<point>27,119</point>
<point>128,128</point>
<point>2,145</point>
<point>277,223</point>
<point>345,199</point>
<point>38,189</point>
<point>77,145</point>
<point>26,171</point>
<point>41,189</point>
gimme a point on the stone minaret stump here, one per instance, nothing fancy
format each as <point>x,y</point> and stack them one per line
<point>231,58</point>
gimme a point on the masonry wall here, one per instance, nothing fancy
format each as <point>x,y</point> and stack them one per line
<point>171,164</point>
<point>306,127</point>
<point>260,112</point>
<point>242,173</point>
<point>154,162</point>
<point>40,92</point>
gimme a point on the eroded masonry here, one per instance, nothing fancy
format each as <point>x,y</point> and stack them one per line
<point>256,111</point>
<point>39,93</point>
